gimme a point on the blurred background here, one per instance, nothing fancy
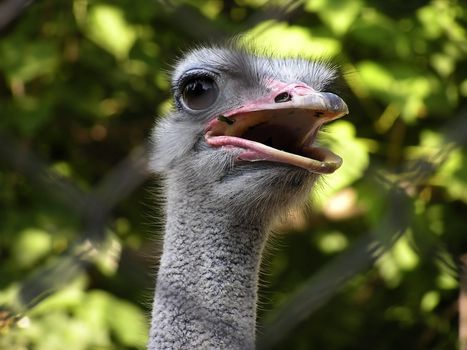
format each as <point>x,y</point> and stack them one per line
<point>375,263</point>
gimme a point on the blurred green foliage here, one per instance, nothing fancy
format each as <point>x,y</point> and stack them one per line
<point>80,85</point>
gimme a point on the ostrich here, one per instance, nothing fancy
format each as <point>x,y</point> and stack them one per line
<point>237,152</point>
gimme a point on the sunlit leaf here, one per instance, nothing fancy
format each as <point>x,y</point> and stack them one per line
<point>404,254</point>
<point>447,281</point>
<point>376,77</point>
<point>444,64</point>
<point>332,242</point>
<point>128,323</point>
<point>389,271</point>
<point>400,85</point>
<point>452,172</point>
<point>284,39</point>
<point>342,139</point>
<point>108,28</point>
<point>210,8</point>
<point>337,14</point>
<point>108,257</point>
<point>429,301</point>
<point>429,16</point>
<point>32,245</point>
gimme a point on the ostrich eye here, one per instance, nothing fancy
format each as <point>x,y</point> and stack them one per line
<point>200,93</point>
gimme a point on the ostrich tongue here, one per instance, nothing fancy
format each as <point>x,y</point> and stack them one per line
<point>282,131</point>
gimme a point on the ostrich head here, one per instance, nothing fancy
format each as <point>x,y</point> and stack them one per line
<point>238,150</point>
<point>244,127</point>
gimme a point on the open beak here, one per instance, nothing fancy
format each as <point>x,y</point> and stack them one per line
<point>281,127</point>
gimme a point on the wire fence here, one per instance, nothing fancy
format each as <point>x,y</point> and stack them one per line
<point>95,206</point>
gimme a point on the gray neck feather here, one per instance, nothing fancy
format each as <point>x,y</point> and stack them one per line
<point>207,282</point>
<point>218,216</point>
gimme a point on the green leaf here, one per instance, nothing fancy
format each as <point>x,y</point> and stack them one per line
<point>341,137</point>
<point>339,15</point>
<point>107,258</point>
<point>285,40</point>
<point>430,300</point>
<point>32,245</point>
<point>452,172</point>
<point>108,28</point>
<point>400,84</point>
<point>127,322</point>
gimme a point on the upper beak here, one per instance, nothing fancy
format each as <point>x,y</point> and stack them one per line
<point>327,105</point>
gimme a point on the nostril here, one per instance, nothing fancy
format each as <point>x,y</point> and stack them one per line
<point>283,97</point>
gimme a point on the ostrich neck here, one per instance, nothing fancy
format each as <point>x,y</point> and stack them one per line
<point>206,288</point>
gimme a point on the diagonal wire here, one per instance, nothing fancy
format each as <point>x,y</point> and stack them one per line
<point>96,206</point>
<point>22,160</point>
<point>124,177</point>
<point>10,10</point>
<point>207,30</point>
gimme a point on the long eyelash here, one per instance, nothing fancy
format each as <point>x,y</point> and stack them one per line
<point>193,74</point>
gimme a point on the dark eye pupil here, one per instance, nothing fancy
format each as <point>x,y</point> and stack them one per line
<point>200,93</point>
<point>196,88</point>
